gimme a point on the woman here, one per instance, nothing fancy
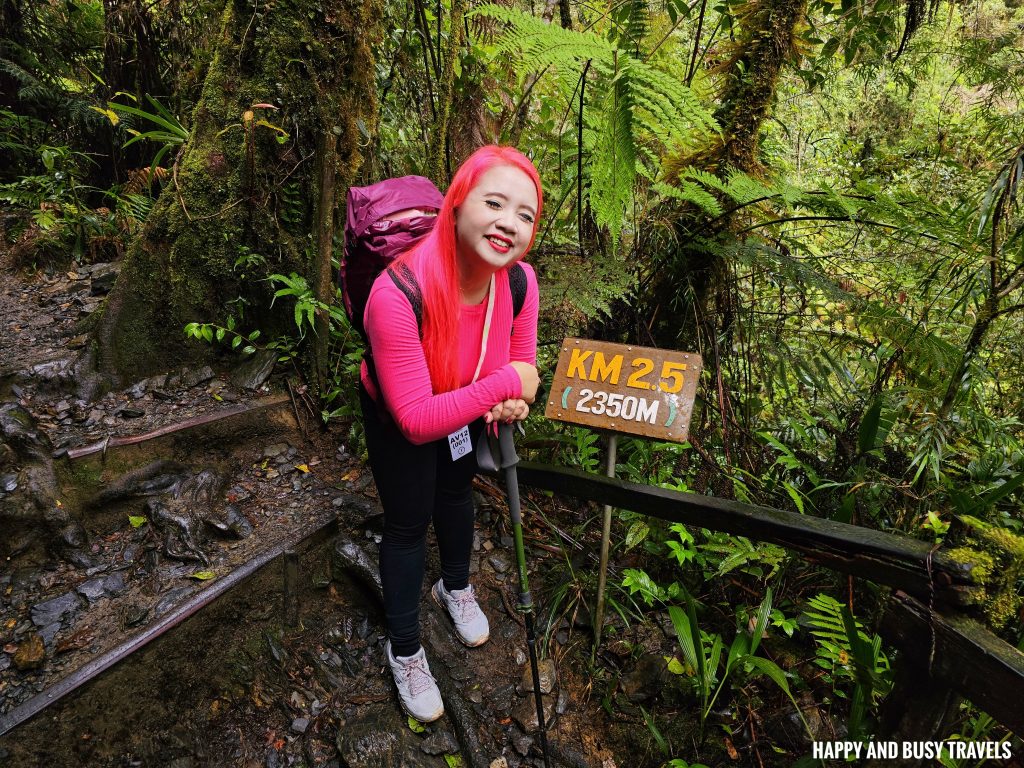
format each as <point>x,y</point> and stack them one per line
<point>435,383</point>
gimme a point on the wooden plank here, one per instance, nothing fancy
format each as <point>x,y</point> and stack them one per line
<point>885,558</point>
<point>624,388</point>
<point>983,668</point>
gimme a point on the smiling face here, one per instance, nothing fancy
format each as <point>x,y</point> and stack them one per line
<point>494,224</point>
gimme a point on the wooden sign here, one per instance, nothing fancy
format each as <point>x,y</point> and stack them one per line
<point>637,390</point>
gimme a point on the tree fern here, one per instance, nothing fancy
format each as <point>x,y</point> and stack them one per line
<point>629,102</point>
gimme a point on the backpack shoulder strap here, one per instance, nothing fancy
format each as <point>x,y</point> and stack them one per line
<point>517,285</point>
<point>406,283</point>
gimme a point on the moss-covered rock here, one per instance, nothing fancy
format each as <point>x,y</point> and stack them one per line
<point>995,557</point>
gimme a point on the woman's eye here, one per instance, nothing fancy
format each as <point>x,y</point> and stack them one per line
<point>526,217</point>
<point>493,204</point>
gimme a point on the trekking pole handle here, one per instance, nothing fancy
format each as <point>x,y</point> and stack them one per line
<point>506,439</point>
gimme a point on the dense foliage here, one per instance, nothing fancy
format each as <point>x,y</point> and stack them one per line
<point>822,198</point>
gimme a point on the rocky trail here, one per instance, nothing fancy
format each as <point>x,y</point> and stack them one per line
<point>189,578</point>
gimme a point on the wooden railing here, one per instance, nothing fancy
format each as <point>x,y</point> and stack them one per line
<point>942,651</point>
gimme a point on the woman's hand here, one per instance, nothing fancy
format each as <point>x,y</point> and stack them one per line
<point>507,412</point>
<point>529,379</point>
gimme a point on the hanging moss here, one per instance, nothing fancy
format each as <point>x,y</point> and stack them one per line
<point>996,559</point>
<point>288,69</point>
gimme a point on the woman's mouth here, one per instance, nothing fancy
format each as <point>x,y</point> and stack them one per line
<point>500,244</point>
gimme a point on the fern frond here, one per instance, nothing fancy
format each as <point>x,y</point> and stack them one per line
<point>538,45</point>
<point>688,192</point>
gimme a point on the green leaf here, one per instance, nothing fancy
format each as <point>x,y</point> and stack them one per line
<point>637,533</point>
<point>764,614</point>
<point>454,761</point>
<point>869,426</point>
<point>136,521</point>
<point>415,725</point>
<point>203,575</point>
<point>675,667</point>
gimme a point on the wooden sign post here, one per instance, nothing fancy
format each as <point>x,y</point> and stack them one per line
<point>621,388</point>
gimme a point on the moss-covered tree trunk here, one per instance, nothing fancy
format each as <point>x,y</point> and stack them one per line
<point>243,200</point>
<point>766,43</point>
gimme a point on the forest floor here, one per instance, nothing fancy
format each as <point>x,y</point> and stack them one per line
<point>258,678</point>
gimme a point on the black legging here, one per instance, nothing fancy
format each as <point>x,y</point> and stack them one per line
<point>418,483</point>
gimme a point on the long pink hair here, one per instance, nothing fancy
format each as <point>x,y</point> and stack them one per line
<point>433,262</point>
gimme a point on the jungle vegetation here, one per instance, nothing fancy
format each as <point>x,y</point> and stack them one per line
<point>821,197</point>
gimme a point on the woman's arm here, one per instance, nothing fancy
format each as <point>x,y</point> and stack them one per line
<point>404,379</point>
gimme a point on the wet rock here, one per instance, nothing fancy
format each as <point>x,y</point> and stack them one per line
<point>5,663</point>
<point>300,724</point>
<point>349,557</point>
<point>114,584</point>
<point>563,702</point>
<point>92,590</point>
<point>56,610</point>
<point>522,742</point>
<point>48,633</point>
<point>272,451</point>
<point>254,372</point>
<point>133,615</point>
<point>379,736</point>
<point>137,390</point>
<point>499,762</point>
<point>30,653</point>
<point>8,482</point>
<point>646,680</point>
<point>441,742</point>
<point>502,699</point>
<point>520,656</point>
<point>191,379</point>
<point>103,278</point>
<point>171,600</point>
<point>546,673</point>
<point>130,413</point>
<point>499,562</point>
<point>525,714</point>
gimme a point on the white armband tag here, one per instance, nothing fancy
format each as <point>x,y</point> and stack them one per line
<point>460,443</point>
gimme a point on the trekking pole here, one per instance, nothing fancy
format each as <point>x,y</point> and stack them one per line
<point>509,459</point>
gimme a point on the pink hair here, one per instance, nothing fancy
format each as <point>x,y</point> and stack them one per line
<point>433,261</point>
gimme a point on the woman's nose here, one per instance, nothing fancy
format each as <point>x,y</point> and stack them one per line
<point>507,222</point>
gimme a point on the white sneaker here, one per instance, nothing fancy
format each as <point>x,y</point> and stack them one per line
<point>416,687</point>
<point>470,623</point>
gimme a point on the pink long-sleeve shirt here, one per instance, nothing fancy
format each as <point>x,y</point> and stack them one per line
<point>401,367</point>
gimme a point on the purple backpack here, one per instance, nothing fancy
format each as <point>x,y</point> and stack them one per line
<point>383,221</point>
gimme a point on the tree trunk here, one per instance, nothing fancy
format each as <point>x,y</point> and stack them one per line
<point>243,200</point>
<point>438,161</point>
<point>766,43</point>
